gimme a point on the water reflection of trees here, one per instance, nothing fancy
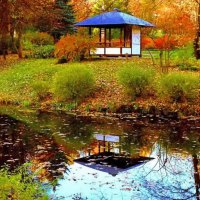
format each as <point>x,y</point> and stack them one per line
<point>18,144</point>
<point>51,141</point>
<point>176,148</point>
<point>138,140</point>
<point>12,150</point>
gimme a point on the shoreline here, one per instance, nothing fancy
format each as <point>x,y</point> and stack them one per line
<point>153,115</point>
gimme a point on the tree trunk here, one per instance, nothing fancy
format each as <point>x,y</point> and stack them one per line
<point>13,43</point>
<point>20,42</point>
<point>196,176</point>
<point>4,46</point>
<point>161,60</point>
<point>197,45</point>
<point>4,26</point>
<point>152,58</point>
<point>197,39</point>
<point>168,58</point>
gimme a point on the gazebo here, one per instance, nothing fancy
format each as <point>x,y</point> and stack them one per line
<point>119,33</point>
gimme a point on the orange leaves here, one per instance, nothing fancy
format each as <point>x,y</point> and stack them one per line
<point>65,46</point>
<point>75,47</point>
<point>175,22</point>
<point>147,43</point>
<point>165,43</point>
<point>162,43</point>
<point>82,9</point>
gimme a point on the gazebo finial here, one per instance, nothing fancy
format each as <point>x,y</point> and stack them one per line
<point>116,10</point>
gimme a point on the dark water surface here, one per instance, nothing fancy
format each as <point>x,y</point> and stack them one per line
<point>121,160</point>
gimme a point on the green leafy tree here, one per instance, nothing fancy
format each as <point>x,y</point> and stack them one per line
<point>64,24</point>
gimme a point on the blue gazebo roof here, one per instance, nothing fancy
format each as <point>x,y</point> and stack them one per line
<point>114,18</point>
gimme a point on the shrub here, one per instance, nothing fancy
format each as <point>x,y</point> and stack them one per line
<point>62,60</point>
<point>39,38</point>
<point>179,87</point>
<point>41,89</point>
<point>165,42</point>
<point>187,67</point>
<point>136,80</point>
<point>43,51</point>
<point>20,185</point>
<point>27,45</point>
<point>11,45</point>
<point>148,43</point>
<point>73,83</point>
<point>184,54</point>
<point>74,47</point>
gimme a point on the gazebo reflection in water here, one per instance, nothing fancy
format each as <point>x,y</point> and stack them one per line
<point>111,158</point>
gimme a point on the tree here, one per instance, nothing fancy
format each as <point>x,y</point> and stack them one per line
<point>106,6</point>
<point>22,15</point>
<point>153,10</point>
<point>16,15</point>
<point>45,21</point>
<point>176,30</point>
<point>4,25</point>
<point>197,38</point>
<point>82,9</point>
<point>64,25</point>
<point>145,9</point>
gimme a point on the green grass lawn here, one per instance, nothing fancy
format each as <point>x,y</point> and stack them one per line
<point>179,55</point>
<point>18,80</point>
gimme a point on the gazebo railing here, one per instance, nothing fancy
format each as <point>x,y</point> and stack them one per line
<point>110,44</point>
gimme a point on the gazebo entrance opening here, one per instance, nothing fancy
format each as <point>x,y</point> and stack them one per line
<point>118,41</point>
<point>115,37</point>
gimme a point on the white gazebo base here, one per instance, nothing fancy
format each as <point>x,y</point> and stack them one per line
<point>116,51</point>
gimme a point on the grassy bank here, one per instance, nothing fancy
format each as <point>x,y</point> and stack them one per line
<point>23,82</point>
<point>18,80</point>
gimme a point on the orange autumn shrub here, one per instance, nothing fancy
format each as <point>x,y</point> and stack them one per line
<point>148,43</point>
<point>165,43</point>
<point>74,47</point>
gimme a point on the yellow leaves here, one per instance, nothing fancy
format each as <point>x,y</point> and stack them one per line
<point>82,9</point>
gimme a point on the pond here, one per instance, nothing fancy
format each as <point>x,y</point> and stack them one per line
<point>104,158</point>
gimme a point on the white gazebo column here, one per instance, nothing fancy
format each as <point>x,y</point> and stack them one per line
<point>136,41</point>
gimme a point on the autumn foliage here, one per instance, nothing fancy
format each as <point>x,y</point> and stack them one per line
<point>165,43</point>
<point>161,43</point>
<point>148,43</point>
<point>74,47</point>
